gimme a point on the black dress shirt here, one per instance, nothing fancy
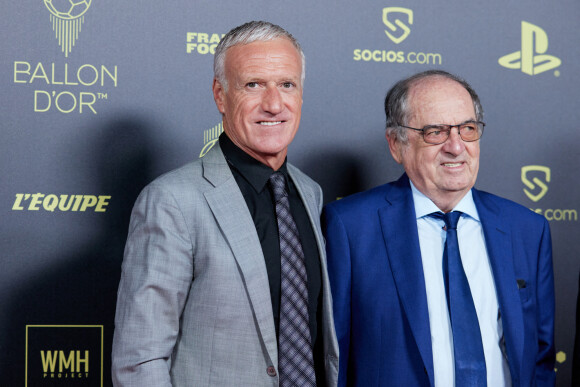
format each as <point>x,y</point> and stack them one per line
<point>252,178</point>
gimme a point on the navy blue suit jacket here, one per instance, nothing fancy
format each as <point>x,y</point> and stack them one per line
<point>380,302</point>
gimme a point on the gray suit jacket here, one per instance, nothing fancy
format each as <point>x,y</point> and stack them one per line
<point>194,304</point>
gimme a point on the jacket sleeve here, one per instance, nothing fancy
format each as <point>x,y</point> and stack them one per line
<point>156,275</point>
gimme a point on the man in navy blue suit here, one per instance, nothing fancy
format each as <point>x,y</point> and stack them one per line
<point>389,253</point>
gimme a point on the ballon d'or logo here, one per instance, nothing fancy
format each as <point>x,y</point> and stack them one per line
<point>67,17</point>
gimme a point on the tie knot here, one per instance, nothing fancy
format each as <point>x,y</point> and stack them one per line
<point>450,218</point>
<point>278,184</point>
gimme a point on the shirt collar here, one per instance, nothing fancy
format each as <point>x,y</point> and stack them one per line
<point>424,206</point>
<point>253,171</point>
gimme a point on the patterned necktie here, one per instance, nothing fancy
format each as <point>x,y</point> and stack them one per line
<point>296,364</point>
<point>467,343</point>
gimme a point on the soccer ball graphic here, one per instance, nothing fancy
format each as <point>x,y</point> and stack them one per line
<point>67,9</point>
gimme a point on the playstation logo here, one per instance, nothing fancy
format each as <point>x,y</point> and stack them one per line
<point>531,59</point>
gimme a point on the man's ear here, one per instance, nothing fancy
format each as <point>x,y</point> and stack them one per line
<point>395,147</point>
<point>219,95</point>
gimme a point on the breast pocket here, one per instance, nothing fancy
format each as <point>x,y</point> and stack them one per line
<point>524,290</point>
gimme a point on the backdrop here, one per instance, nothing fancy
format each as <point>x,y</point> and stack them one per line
<point>98,97</point>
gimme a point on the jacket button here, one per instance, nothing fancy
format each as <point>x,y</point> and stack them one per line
<point>271,371</point>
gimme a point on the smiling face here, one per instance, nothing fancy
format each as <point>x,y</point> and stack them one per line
<point>262,104</point>
<point>445,172</point>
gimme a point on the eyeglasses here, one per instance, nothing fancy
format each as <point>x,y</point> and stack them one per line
<point>437,134</point>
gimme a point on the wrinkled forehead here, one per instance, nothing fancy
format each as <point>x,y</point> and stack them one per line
<point>439,99</point>
<point>275,44</point>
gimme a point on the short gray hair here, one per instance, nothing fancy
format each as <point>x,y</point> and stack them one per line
<point>397,101</point>
<point>248,33</point>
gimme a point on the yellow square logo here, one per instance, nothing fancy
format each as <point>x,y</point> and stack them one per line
<point>64,355</point>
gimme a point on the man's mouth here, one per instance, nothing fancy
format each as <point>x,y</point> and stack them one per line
<point>269,123</point>
<point>452,165</point>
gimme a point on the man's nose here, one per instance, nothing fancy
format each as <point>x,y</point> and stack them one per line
<point>454,144</point>
<point>272,100</point>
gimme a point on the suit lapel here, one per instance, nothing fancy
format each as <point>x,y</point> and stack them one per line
<point>399,227</point>
<point>309,200</point>
<point>231,212</point>
<point>499,249</point>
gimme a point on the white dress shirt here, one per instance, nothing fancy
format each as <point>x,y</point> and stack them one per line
<point>478,271</point>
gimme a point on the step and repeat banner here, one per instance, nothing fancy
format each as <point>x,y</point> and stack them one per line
<point>98,97</point>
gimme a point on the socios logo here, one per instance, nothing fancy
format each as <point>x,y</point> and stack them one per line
<point>535,184</point>
<point>398,29</point>
<point>397,20</point>
<point>67,16</point>
<point>536,179</point>
<point>532,58</point>
<point>210,137</point>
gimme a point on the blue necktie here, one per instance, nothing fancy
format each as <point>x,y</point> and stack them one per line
<point>467,343</point>
<point>295,359</point>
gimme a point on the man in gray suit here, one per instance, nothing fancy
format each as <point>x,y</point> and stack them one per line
<point>204,290</point>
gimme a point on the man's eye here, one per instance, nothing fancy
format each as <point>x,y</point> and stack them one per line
<point>434,131</point>
<point>252,85</point>
<point>287,85</point>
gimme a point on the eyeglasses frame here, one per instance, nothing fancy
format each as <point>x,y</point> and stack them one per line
<point>458,126</point>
